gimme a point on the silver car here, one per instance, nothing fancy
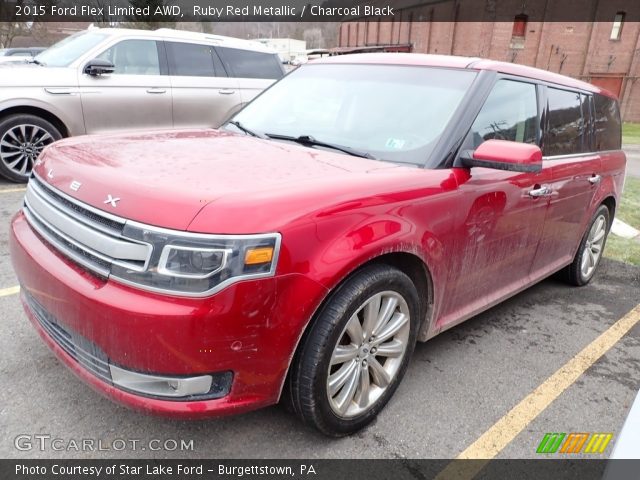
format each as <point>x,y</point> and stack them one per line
<point>105,80</point>
<point>19,54</point>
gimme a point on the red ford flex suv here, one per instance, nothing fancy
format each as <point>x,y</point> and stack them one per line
<point>361,204</point>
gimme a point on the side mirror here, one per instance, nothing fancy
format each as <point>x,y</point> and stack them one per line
<point>98,66</point>
<point>504,155</point>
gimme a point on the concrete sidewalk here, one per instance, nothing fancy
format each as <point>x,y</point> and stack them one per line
<point>633,160</point>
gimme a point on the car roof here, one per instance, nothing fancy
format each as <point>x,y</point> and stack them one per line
<point>472,63</point>
<point>171,34</point>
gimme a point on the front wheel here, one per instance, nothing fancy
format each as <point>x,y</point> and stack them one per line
<point>587,259</point>
<point>22,139</point>
<point>353,358</point>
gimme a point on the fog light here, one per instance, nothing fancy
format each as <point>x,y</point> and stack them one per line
<point>202,386</point>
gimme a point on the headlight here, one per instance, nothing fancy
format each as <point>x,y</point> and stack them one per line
<point>192,262</point>
<point>197,264</point>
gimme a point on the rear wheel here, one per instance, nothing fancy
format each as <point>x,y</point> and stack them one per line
<point>22,139</point>
<point>587,259</point>
<point>357,351</point>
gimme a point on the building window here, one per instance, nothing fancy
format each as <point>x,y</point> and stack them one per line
<point>519,31</point>
<point>520,26</point>
<point>616,30</point>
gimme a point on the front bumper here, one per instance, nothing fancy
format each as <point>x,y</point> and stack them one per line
<point>250,328</point>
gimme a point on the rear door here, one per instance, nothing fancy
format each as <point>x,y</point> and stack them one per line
<point>137,95</point>
<point>500,216</point>
<point>254,71</point>
<point>575,170</point>
<point>203,94</point>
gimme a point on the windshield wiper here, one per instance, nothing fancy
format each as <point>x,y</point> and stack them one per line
<point>36,61</point>
<point>238,125</point>
<point>308,140</point>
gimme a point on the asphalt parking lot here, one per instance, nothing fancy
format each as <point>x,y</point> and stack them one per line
<point>459,385</point>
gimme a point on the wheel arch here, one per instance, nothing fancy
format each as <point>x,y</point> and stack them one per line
<point>416,269</point>
<point>39,112</point>
<point>610,203</point>
<point>407,262</point>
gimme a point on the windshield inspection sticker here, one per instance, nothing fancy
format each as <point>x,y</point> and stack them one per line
<point>395,143</point>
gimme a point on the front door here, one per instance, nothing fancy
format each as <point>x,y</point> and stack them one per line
<point>135,96</point>
<point>501,214</point>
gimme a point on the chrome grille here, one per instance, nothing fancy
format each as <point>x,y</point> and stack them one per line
<point>79,348</point>
<point>86,235</point>
<point>114,225</point>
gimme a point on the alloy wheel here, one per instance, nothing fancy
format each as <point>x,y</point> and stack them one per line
<point>368,354</point>
<point>21,145</point>
<point>593,246</point>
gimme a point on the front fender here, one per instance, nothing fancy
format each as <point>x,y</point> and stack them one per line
<point>329,250</point>
<point>67,108</point>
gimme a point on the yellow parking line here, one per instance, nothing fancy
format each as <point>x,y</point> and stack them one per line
<point>13,190</point>
<point>5,292</point>
<point>494,440</point>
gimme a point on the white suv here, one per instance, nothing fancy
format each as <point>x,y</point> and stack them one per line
<point>105,80</point>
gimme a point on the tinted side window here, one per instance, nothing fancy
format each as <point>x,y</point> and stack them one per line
<point>607,123</point>
<point>248,64</point>
<point>134,57</point>
<point>566,128</point>
<point>509,113</point>
<point>191,60</point>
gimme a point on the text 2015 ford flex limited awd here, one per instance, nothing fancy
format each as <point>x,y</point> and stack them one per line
<point>357,206</point>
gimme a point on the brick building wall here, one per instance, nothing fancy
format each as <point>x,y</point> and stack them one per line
<point>583,50</point>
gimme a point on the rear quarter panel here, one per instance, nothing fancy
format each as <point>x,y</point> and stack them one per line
<point>613,172</point>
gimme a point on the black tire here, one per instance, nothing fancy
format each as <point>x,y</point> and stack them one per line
<point>307,392</point>
<point>23,149</point>
<point>574,274</point>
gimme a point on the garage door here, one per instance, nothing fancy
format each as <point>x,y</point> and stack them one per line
<point>612,83</point>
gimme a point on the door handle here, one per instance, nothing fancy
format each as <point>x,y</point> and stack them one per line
<point>227,91</point>
<point>540,191</point>
<point>61,91</point>
<point>156,90</point>
<point>595,179</point>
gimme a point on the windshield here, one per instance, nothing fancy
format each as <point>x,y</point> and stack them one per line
<point>66,51</point>
<point>390,112</point>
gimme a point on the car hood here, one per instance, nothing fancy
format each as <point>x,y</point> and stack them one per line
<point>165,179</point>
<point>22,74</point>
